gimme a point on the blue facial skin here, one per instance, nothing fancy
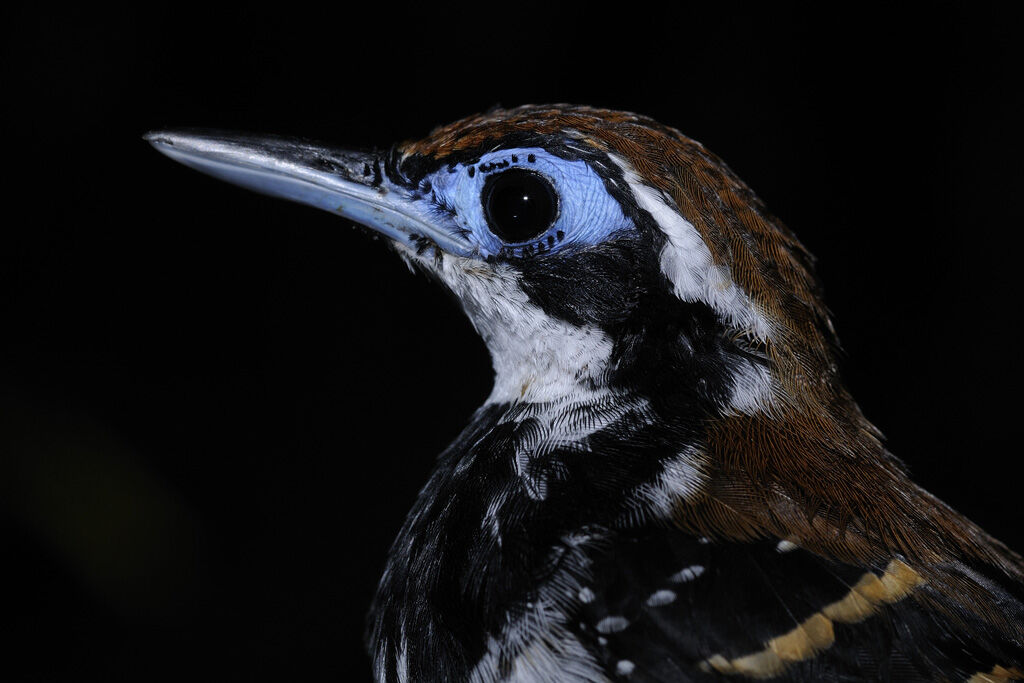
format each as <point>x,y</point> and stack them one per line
<point>587,214</point>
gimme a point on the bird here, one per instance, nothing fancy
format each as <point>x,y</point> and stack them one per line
<point>669,480</point>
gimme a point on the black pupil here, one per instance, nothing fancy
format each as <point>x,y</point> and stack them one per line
<point>519,205</point>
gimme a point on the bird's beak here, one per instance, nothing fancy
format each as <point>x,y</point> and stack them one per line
<point>350,184</point>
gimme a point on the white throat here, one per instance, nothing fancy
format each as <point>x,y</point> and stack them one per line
<point>547,360</point>
<point>537,358</point>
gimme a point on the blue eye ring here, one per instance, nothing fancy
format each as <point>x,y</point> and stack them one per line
<point>520,205</point>
<point>584,212</point>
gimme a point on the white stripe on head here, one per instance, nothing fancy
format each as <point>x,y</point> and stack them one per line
<point>687,262</point>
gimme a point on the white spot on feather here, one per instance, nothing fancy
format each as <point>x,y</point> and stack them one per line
<point>786,546</point>
<point>624,667</point>
<point>661,598</point>
<point>687,574</point>
<point>752,390</point>
<point>682,477</point>
<point>612,624</point>
<point>586,595</point>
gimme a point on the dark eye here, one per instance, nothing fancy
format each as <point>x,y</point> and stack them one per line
<point>519,205</point>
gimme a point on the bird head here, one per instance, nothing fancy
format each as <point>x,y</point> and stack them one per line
<point>591,250</point>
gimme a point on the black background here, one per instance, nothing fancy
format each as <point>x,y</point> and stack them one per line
<point>216,408</point>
